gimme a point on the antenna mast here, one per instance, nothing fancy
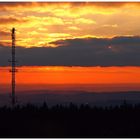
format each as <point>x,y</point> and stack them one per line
<point>13,67</point>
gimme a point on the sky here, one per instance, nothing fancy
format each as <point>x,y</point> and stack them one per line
<point>71,33</point>
<point>93,79</point>
<point>87,42</point>
<point>42,23</point>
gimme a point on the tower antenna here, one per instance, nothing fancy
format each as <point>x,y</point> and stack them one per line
<point>13,68</point>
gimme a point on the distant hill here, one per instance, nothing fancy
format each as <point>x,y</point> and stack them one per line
<point>78,97</point>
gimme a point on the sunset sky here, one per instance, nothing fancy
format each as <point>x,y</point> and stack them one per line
<point>40,24</point>
<point>103,37</point>
<point>41,78</point>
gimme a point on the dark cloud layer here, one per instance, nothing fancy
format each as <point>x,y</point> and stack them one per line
<point>4,5</point>
<point>118,51</point>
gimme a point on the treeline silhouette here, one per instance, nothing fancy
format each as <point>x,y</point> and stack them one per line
<point>71,121</point>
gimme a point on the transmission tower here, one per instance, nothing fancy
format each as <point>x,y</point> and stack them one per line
<point>13,68</point>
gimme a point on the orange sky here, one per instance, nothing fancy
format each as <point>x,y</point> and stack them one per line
<point>42,76</point>
<point>38,24</point>
<point>73,75</point>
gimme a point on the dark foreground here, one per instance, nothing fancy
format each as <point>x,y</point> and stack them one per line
<point>70,122</point>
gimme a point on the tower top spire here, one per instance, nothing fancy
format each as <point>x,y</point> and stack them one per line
<point>13,30</point>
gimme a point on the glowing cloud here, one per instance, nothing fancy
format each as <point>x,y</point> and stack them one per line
<point>40,23</point>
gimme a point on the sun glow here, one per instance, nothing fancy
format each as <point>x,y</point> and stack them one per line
<point>72,75</point>
<point>73,78</point>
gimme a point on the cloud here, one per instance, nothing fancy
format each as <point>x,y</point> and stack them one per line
<point>74,4</point>
<point>118,51</point>
<point>4,33</point>
<point>84,21</point>
<point>45,20</point>
<point>113,26</point>
<point>63,8</point>
<point>73,28</point>
<point>9,20</point>
<point>38,22</point>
